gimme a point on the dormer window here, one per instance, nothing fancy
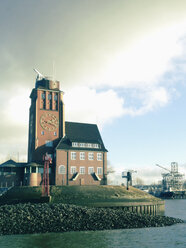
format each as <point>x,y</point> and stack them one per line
<point>82,144</point>
<point>95,145</point>
<point>74,144</point>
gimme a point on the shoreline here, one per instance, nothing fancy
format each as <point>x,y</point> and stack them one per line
<point>57,217</point>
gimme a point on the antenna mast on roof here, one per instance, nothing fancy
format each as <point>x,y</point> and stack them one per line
<point>54,70</point>
<point>39,75</point>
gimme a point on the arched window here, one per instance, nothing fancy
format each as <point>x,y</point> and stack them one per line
<point>61,169</point>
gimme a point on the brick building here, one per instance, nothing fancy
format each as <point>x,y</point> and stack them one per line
<point>78,154</point>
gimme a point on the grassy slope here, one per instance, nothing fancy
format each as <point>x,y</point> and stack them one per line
<point>80,195</point>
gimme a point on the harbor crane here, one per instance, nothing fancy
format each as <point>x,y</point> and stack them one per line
<point>173,180</point>
<point>163,167</point>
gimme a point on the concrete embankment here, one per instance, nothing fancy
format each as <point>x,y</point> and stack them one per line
<point>41,218</point>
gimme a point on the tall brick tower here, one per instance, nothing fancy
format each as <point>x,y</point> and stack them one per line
<point>46,118</point>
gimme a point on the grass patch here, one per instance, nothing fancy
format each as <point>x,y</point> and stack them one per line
<point>78,195</point>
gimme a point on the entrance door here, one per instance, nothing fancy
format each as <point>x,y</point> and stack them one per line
<point>82,181</point>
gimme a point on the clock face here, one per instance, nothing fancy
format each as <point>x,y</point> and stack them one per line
<point>49,122</point>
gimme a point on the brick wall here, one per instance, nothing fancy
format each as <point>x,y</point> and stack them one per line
<point>67,177</point>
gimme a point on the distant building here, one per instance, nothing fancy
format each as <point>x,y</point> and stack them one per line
<point>78,154</point>
<point>11,174</point>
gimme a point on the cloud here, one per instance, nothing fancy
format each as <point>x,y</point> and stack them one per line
<point>14,122</point>
<point>87,105</point>
<point>143,62</point>
<point>84,104</point>
<point>150,99</point>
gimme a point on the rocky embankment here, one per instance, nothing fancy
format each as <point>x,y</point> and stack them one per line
<point>41,218</point>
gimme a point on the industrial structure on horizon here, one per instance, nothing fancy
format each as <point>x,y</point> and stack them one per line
<point>172,180</point>
<point>77,152</point>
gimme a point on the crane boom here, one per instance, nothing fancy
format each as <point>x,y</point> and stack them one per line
<point>163,167</point>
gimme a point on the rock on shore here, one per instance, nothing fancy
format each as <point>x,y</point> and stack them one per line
<point>41,218</point>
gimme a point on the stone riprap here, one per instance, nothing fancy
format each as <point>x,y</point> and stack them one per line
<point>42,218</point>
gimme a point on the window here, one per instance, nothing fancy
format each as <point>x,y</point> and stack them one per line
<point>74,144</point>
<point>82,156</point>
<point>43,95</point>
<point>73,169</point>
<point>99,171</point>
<point>73,155</point>
<point>82,144</point>
<point>33,169</point>
<point>42,132</point>
<point>55,97</point>
<point>95,145</point>
<point>82,170</point>
<point>89,145</point>
<point>27,170</point>
<point>61,169</point>
<point>56,101</point>
<point>40,170</point>
<point>49,143</point>
<point>55,133</point>
<point>99,156</point>
<point>90,156</point>
<point>43,102</point>
<point>90,170</point>
<point>49,96</point>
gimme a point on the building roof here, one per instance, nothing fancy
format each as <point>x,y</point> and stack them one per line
<point>12,163</point>
<point>83,133</point>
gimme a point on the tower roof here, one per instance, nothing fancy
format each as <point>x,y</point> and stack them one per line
<point>12,163</point>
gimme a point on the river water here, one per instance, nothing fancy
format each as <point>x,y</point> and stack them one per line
<point>163,237</point>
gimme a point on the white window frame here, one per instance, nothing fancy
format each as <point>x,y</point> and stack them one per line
<point>90,170</point>
<point>90,156</point>
<point>82,155</point>
<point>62,170</point>
<point>82,170</point>
<point>99,170</point>
<point>74,144</point>
<point>95,145</point>
<point>73,155</point>
<point>89,145</point>
<point>99,156</point>
<point>82,144</point>
<point>73,170</point>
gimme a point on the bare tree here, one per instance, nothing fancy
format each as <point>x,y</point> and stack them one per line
<point>139,181</point>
